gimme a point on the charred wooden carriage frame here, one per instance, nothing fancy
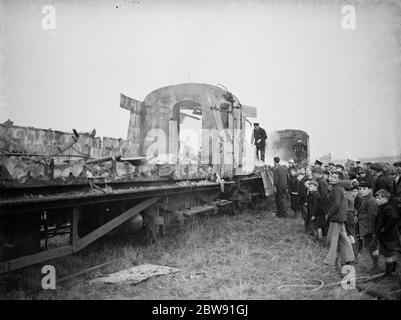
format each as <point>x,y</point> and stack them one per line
<point>86,208</point>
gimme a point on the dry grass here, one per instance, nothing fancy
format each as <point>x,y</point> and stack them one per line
<point>247,256</point>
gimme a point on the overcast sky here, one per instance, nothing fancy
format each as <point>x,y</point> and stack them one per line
<point>290,59</point>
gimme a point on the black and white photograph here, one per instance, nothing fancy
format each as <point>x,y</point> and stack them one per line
<point>200,155</point>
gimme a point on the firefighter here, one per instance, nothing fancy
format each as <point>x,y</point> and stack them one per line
<point>259,135</point>
<point>300,152</point>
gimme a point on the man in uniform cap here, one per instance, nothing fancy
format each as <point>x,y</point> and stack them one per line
<point>318,163</point>
<point>259,135</point>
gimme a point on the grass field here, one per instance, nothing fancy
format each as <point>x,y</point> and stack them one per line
<point>247,256</point>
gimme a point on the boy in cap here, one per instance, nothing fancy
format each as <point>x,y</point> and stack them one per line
<point>336,215</point>
<point>367,212</point>
<point>364,174</point>
<point>291,165</point>
<point>315,212</point>
<point>386,229</point>
<point>323,189</point>
<point>326,175</point>
<point>308,173</point>
<point>351,192</point>
<point>259,135</point>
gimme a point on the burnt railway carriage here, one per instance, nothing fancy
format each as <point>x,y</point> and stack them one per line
<point>282,143</point>
<point>185,156</point>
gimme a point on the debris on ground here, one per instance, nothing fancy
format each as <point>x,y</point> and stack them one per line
<point>136,274</point>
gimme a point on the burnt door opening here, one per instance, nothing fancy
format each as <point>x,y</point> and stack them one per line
<point>188,115</point>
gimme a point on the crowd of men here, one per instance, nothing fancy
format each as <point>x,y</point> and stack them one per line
<point>346,209</point>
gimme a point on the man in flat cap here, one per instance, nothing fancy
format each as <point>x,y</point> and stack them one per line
<point>366,165</point>
<point>381,180</point>
<point>340,168</point>
<point>280,177</point>
<point>332,167</point>
<point>337,216</point>
<point>260,136</point>
<point>300,151</point>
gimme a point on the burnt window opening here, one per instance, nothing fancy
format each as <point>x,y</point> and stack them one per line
<point>188,115</point>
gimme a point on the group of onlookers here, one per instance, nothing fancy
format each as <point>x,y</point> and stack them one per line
<point>350,208</point>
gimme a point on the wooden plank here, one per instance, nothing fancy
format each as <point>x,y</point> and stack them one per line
<point>21,262</point>
<point>75,219</point>
<point>46,203</point>
<point>129,103</point>
<point>221,203</point>
<point>112,224</point>
<point>196,210</point>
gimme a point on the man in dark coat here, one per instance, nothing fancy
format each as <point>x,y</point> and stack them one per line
<point>386,229</point>
<point>396,199</point>
<point>397,183</point>
<point>300,152</point>
<point>337,216</point>
<point>280,177</point>
<point>260,136</point>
